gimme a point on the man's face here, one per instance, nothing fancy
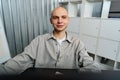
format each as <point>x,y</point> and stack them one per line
<point>59,19</point>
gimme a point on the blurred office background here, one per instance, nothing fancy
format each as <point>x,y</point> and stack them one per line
<point>23,20</point>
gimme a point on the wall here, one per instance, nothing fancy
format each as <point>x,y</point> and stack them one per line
<point>24,20</point>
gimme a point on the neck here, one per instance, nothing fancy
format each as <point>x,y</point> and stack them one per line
<point>59,35</point>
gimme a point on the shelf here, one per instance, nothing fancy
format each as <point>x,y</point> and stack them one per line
<point>93,9</point>
<point>95,0</point>
<point>73,7</point>
<point>64,4</point>
<point>107,64</point>
<point>76,1</point>
<point>99,33</point>
<point>114,11</point>
<point>117,66</point>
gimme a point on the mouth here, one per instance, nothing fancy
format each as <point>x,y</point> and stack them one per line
<point>60,26</point>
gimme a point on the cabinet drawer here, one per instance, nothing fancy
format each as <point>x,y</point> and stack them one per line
<point>90,43</point>
<point>74,25</point>
<point>118,55</point>
<point>110,29</point>
<point>107,48</point>
<point>90,26</point>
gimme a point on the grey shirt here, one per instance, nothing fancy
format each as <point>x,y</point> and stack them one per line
<point>43,52</point>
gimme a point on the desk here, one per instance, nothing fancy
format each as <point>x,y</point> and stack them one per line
<point>50,74</point>
<point>69,74</point>
<point>64,74</point>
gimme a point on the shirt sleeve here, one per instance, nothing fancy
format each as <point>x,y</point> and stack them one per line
<point>21,61</point>
<point>87,61</point>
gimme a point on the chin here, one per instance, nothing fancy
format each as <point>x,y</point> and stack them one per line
<point>59,30</point>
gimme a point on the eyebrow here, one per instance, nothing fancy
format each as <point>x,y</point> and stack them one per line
<point>56,15</point>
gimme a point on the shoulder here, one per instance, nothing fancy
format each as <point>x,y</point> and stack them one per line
<point>40,38</point>
<point>43,36</point>
<point>75,38</point>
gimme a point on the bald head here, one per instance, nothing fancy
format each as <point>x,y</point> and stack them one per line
<point>59,10</point>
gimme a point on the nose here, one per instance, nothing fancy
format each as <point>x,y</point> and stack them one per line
<point>60,20</point>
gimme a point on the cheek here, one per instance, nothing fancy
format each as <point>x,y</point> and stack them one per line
<point>54,22</point>
<point>67,22</point>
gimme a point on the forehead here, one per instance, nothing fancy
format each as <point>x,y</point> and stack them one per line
<point>59,12</point>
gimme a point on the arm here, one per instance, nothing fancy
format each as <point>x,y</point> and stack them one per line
<point>22,61</point>
<point>87,61</point>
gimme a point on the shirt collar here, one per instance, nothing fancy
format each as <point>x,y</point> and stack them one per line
<point>68,37</point>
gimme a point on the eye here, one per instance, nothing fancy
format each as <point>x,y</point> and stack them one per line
<point>54,17</point>
<point>64,17</point>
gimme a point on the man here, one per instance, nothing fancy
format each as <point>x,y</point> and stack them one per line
<point>58,49</point>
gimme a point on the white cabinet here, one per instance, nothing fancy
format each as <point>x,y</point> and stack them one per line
<point>74,25</point>
<point>92,8</point>
<point>73,10</point>
<point>110,28</point>
<point>90,26</point>
<point>107,48</point>
<point>89,31</point>
<point>118,55</point>
<point>100,34</point>
<point>118,58</point>
<point>90,43</point>
<point>73,7</point>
